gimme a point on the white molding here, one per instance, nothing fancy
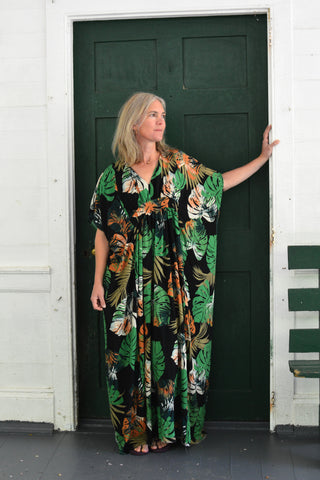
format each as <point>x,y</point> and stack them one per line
<point>25,270</point>
<point>25,279</point>
<point>36,392</point>
<point>164,14</point>
<point>31,404</point>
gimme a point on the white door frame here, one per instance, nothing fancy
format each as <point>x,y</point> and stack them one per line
<point>60,16</point>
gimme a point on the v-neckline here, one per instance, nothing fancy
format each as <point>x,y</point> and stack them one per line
<point>144,181</point>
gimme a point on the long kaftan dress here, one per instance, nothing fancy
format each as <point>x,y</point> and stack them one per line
<point>159,290</point>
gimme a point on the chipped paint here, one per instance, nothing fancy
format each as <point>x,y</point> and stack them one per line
<point>272,401</point>
<point>272,238</point>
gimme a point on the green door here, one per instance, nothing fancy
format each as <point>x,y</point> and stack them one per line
<point>213,73</point>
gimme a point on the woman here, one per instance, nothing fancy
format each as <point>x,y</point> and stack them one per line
<point>156,212</point>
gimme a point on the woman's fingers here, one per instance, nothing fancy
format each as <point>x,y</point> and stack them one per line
<point>266,133</point>
<point>266,146</point>
<point>97,299</point>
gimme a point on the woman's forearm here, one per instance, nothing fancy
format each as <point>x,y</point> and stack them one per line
<point>101,253</point>
<point>239,175</point>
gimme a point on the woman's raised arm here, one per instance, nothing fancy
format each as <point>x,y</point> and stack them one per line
<point>239,175</point>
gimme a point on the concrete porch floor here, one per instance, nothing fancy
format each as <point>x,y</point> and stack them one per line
<point>225,455</point>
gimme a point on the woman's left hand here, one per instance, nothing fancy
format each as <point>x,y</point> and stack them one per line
<point>239,175</point>
<point>266,150</point>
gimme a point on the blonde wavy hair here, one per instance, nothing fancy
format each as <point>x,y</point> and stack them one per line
<point>125,147</point>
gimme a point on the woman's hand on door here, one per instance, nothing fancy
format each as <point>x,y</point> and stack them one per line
<point>239,175</point>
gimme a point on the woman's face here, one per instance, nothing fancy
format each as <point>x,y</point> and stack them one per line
<point>153,125</point>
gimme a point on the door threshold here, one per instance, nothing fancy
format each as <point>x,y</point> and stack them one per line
<point>104,425</point>
<point>95,425</point>
<point>249,426</point>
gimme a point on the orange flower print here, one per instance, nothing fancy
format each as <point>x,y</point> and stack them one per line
<point>121,252</point>
<point>164,203</point>
<point>168,389</point>
<point>145,209</point>
<point>121,222</point>
<point>143,332</point>
<point>189,225</point>
<point>111,358</point>
<point>192,167</point>
<point>126,429</point>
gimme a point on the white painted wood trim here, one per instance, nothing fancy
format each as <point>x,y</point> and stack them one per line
<point>18,403</point>
<point>25,279</point>
<point>45,392</point>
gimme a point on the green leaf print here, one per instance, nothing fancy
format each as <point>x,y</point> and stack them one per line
<point>158,361</point>
<point>107,186</point>
<point>147,237</point>
<point>115,403</point>
<point>193,409</point>
<point>203,304</point>
<point>213,188</point>
<point>211,253</point>
<point>128,349</point>
<point>179,181</point>
<point>166,428</point>
<point>203,360</point>
<point>143,197</point>
<point>120,441</point>
<point>106,279</point>
<point>181,387</point>
<point>147,306</point>
<point>197,239</point>
<point>161,306</point>
<point>160,247</point>
<point>198,428</point>
<point>172,214</point>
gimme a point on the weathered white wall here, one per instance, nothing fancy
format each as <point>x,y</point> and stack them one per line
<point>37,359</point>
<point>306,88</point>
<point>26,391</point>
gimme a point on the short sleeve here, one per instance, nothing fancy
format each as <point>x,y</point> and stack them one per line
<point>213,188</point>
<point>102,197</point>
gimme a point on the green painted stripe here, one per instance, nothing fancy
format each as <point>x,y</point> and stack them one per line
<point>304,340</point>
<point>305,368</point>
<point>304,299</point>
<point>304,256</point>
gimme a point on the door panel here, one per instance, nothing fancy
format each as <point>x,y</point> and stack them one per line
<point>213,73</point>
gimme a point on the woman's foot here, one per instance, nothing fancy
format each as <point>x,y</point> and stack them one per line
<point>158,446</point>
<point>140,450</point>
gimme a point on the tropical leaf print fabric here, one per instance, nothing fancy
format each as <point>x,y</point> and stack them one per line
<point>159,288</point>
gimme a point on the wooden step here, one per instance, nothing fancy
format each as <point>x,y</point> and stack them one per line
<point>305,368</point>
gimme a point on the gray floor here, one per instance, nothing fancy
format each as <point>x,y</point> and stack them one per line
<point>224,455</point>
